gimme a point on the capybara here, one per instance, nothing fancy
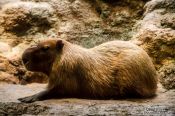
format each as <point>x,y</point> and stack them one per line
<point>115,69</point>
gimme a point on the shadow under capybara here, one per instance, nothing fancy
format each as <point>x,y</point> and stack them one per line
<point>115,69</point>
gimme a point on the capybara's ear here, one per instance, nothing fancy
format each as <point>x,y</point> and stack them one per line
<point>59,44</point>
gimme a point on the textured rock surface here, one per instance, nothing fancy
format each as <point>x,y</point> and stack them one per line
<point>8,70</point>
<point>162,104</point>
<point>167,74</point>
<point>29,18</point>
<point>9,104</point>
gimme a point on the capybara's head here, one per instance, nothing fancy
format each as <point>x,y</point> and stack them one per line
<point>40,57</point>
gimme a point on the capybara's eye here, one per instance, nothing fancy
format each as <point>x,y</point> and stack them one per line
<point>45,48</point>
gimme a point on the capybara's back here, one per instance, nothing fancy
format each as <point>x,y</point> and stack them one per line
<point>127,68</point>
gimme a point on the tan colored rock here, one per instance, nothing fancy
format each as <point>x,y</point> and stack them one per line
<point>8,78</point>
<point>4,47</point>
<point>167,75</point>
<point>22,18</point>
<point>7,71</point>
<point>3,2</point>
<point>93,22</point>
<point>16,51</point>
<point>159,4</point>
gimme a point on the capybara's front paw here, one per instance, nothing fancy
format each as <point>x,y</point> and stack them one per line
<point>29,99</point>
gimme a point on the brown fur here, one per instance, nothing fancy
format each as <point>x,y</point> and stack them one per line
<point>111,70</point>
